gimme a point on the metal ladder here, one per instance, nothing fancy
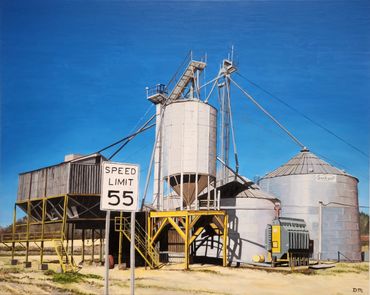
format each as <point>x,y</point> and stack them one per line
<point>67,264</point>
<point>146,250</point>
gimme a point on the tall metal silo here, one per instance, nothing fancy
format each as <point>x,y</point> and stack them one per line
<point>305,181</point>
<point>189,147</point>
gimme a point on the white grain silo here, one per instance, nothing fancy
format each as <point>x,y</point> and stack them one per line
<point>301,184</point>
<point>189,147</point>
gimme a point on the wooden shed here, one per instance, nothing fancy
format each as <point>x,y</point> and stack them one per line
<point>78,176</point>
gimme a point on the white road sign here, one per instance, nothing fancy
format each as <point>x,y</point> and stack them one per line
<point>120,187</point>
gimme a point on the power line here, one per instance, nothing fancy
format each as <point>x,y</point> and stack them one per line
<point>269,115</point>
<point>304,115</point>
<point>141,129</point>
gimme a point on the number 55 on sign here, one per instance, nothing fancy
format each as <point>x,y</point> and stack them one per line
<point>120,187</point>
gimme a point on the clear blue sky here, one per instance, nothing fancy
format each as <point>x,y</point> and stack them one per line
<point>73,75</point>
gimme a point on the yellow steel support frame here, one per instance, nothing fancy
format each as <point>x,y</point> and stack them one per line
<point>120,239</point>
<point>162,218</point>
<point>187,246</point>
<point>63,230</point>
<point>224,236</point>
<point>42,230</point>
<point>13,230</point>
<point>28,229</point>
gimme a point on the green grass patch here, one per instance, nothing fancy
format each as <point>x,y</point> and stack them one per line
<point>70,277</point>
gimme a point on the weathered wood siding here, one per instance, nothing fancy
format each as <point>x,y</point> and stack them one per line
<point>23,187</point>
<point>85,179</point>
<point>175,242</point>
<point>66,178</point>
<point>57,180</point>
<point>38,179</point>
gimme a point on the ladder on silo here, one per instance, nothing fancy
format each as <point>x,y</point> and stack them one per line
<point>146,250</point>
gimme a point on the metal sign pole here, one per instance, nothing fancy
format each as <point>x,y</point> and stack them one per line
<point>106,250</point>
<point>132,253</point>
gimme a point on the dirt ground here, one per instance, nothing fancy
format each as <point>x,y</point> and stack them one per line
<point>345,278</point>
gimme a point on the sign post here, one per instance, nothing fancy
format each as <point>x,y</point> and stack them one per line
<point>119,192</point>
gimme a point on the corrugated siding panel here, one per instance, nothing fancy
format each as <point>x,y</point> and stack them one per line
<point>23,187</point>
<point>85,179</point>
<point>57,180</point>
<point>38,184</point>
<point>305,163</point>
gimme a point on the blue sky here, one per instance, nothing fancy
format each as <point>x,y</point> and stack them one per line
<point>73,75</point>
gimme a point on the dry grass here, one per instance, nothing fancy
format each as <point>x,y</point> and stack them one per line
<point>173,280</point>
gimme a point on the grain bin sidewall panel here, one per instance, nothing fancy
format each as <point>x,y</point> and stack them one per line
<point>189,138</point>
<point>300,196</point>
<point>246,230</point>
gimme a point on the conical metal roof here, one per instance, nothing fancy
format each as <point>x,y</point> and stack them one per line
<point>305,163</point>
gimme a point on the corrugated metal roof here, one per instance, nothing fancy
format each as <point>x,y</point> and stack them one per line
<point>305,163</point>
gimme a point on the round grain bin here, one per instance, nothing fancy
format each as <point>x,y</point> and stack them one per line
<point>301,184</point>
<point>189,147</point>
<point>249,213</point>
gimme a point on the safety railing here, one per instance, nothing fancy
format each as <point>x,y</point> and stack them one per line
<point>142,241</point>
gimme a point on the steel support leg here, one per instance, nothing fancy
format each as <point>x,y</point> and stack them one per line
<point>120,239</point>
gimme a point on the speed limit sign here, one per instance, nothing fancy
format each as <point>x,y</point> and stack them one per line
<point>120,187</point>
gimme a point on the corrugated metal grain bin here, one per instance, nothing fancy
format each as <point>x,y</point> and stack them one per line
<point>249,212</point>
<point>301,184</point>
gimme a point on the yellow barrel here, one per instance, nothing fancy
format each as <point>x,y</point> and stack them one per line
<point>258,258</point>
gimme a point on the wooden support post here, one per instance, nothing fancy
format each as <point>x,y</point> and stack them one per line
<point>93,245</point>
<point>13,230</point>
<point>186,241</point>
<point>72,240</point>
<point>120,239</point>
<point>101,245</point>
<point>83,245</point>
<point>42,230</point>
<point>28,229</point>
<point>225,234</point>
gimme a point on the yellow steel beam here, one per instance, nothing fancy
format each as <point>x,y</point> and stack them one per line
<point>177,228</point>
<point>215,228</point>
<point>149,230</point>
<point>120,239</point>
<point>194,221</point>
<point>64,216</point>
<point>28,229</point>
<point>13,229</point>
<point>225,234</point>
<point>42,231</point>
<point>182,221</point>
<point>196,234</point>
<point>161,227</point>
<point>220,223</point>
<point>40,199</point>
<point>184,213</point>
<point>186,240</point>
